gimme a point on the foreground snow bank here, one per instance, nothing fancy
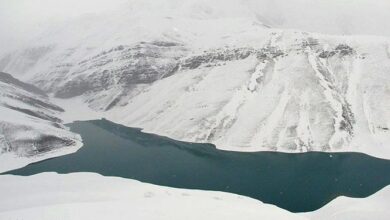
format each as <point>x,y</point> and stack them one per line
<point>91,196</point>
<point>375,207</point>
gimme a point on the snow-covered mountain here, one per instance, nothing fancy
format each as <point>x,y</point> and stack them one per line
<point>297,92</point>
<point>198,72</point>
<point>30,129</point>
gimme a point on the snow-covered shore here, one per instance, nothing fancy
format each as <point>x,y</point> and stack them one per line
<point>376,206</point>
<point>91,196</point>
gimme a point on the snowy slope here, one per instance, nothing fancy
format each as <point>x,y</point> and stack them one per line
<point>29,127</point>
<point>376,206</point>
<point>300,94</point>
<point>91,196</point>
<point>195,71</point>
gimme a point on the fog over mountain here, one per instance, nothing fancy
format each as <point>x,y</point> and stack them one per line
<point>19,19</point>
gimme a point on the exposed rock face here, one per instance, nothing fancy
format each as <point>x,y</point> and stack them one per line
<point>106,77</point>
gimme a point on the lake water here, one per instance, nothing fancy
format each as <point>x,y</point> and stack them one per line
<point>296,182</point>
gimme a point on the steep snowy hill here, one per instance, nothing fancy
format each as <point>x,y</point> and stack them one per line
<point>29,127</point>
<point>198,72</point>
<point>296,93</point>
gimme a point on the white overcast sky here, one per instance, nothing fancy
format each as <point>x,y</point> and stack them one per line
<point>37,10</point>
<point>20,18</point>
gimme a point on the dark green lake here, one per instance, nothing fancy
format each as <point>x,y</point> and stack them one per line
<point>296,182</point>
